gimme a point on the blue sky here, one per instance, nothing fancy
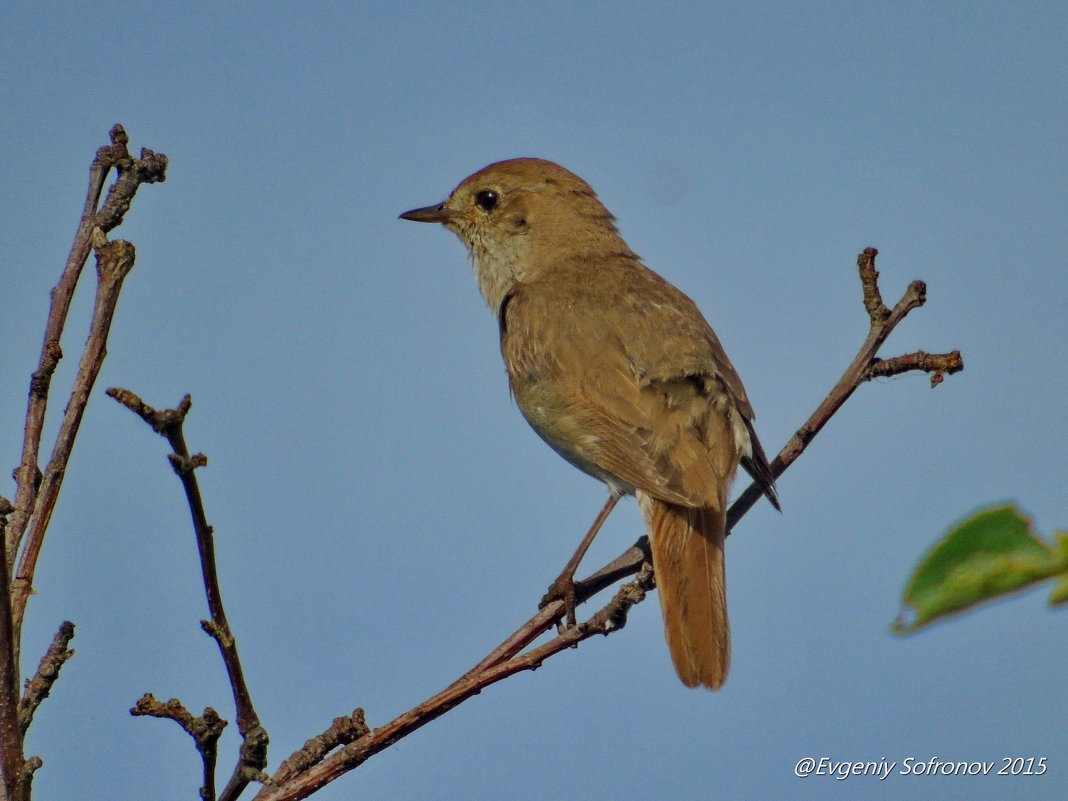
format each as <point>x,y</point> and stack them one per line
<point>383,514</point>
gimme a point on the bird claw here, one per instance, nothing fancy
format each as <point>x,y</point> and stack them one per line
<point>563,589</point>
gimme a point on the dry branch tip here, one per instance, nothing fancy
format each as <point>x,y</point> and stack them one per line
<point>117,152</point>
<point>869,283</point>
<point>938,364</point>
<point>204,729</point>
<point>162,422</point>
<point>39,686</point>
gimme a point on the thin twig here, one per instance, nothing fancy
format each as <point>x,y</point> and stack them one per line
<point>169,424</point>
<point>38,688</point>
<point>286,786</point>
<point>937,364</point>
<point>205,730</point>
<point>114,260</point>
<point>28,474</point>
<point>38,491</point>
<point>882,322</point>
<point>295,779</point>
<point>342,731</point>
<point>864,367</point>
<point>150,168</point>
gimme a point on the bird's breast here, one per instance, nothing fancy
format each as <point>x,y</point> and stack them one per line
<point>564,427</point>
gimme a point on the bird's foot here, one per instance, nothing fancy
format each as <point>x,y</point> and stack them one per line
<point>563,589</point>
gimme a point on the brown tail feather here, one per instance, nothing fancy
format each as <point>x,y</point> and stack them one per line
<point>687,546</point>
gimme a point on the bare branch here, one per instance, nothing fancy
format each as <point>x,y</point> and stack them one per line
<point>12,760</point>
<point>169,424</point>
<point>37,491</point>
<point>311,769</point>
<point>39,687</point>
<point>205,731</point>
<point>162,422</point>
<point>882,323</point>
<point>938,364</point>
<point>151,167</point>
<point>342,731</point>
<point>288,785</point>
<point>114,262</point>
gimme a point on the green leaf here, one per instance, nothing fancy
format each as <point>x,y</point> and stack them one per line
<point>990,554</point>
<point>1060,592</point>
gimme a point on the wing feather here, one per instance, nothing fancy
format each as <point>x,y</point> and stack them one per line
<point>673,425</point>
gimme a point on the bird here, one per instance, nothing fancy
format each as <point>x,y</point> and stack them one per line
<point>618,372</point>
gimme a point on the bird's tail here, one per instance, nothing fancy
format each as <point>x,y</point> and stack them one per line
<point>687,545</point>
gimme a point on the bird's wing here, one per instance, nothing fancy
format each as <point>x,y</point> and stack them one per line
<point>685,344</point>
<point>664,422</point>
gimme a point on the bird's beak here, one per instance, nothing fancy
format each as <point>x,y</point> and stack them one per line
<point>428,214</point>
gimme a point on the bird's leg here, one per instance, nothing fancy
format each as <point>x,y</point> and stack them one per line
<point>564,586</point>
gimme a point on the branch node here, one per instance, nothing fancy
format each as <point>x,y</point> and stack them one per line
<point>209,726</point>
<point>154,166</point>
<point>614,615</point>
<point>938,364</point>
<point>41,379</point>
<point>869,283</point>
<point>162,422</point>
<point>224,638</point>
<point>342,731</point>
<point>184,465</point>
<point>205,729</point>
<point>97,238</point>
<point>29,767</point>
<point>117,152</point>
<point>258,776</point>
<point>114,259</point>
<point>149,169</point>
<point>805,435</point>
<point>254,747</point>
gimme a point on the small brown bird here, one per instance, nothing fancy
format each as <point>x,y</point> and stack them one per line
<point>620,374</point>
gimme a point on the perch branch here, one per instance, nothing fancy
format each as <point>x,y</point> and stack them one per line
<point>310,769</point>
<point>254,741</point>
<point>286,785</point>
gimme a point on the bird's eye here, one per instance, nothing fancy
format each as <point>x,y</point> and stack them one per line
<point>487,200</point>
